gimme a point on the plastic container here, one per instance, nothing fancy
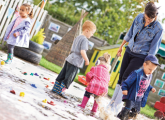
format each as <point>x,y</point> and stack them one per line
<point>82,79</point>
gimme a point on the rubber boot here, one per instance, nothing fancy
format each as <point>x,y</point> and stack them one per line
<point>84,102</point>
<point>62,94</point>
<point>9,58</point>
<point>94,109</point>
<point>133,114</point>
<point>56,87</point>
<point>124,114</point>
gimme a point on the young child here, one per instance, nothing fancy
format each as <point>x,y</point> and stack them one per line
<point>98,79</point>
<point>136,88</point>
<point>75,60</point>
<point>17,33</point>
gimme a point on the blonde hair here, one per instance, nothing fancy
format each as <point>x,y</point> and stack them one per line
<point>29,9</point>
<point>88,25</point>
<point>105,60</point>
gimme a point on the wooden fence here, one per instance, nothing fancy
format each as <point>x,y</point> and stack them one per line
<point>7,10</point>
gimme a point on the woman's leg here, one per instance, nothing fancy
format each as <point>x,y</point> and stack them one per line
<point>135,63</point>
<point>125,62</point>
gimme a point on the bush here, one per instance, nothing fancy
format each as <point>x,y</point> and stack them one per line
<point>39,37</point>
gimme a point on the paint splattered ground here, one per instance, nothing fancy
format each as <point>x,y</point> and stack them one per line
<point>31,107</point>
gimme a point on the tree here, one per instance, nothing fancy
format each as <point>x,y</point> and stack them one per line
<point>110,16</point>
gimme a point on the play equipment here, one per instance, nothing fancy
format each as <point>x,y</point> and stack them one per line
<point>51,103</point>
<point>22,94</point>
<point>161,109</point>
<point>2,63</point>
<point>25,73</point>
<point>12,91</point>
<point>33,85</point>
<point>82,79</point>
<point>31,74</point>
<point>115,61</point>
<point>44,101</point>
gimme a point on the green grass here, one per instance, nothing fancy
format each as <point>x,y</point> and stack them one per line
<point>110,91</point>
<point>55,68</point>
<point>147,110</point>
<point>50,66</point>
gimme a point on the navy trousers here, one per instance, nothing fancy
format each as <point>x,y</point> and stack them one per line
<point>67,74</point>
<point>129,64</point>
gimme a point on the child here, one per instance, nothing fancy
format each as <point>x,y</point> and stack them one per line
<point>137,87</point>
<point>108,62</point>
<point>75,60</point>
<point>98,79</point>
<point>17,33</point>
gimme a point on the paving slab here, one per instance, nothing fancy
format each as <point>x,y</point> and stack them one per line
<point>31,107</point>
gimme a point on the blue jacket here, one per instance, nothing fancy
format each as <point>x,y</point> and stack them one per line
<point>131,84</point>
<point>148,40</point>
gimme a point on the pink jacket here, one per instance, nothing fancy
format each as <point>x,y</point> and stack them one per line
<point>98,79</point>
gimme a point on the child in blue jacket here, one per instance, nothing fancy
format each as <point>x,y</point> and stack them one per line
<point>136,88</point>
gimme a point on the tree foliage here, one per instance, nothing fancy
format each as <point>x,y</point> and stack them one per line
<point>110,16</point>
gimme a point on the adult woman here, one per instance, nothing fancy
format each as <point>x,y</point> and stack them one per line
<point>144,38</point>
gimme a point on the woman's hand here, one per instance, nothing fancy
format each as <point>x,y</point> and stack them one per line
<point>119,52</point>
<point>125,92</point>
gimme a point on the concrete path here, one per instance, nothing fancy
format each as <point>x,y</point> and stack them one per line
<point>31,107</point>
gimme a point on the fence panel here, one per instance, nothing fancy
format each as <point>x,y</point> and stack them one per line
<point>7,14</point>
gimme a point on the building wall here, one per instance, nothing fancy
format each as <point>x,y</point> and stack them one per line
<point>157,82</point>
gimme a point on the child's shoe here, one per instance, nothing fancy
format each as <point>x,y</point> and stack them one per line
<point>124,114</point>
<point>95,106</point>
<point>84,102</point>
<point>133,114</point>
<point>9,58</point>
<point>56,87</point>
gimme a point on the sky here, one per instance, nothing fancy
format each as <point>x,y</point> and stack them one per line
<point>161,14</point>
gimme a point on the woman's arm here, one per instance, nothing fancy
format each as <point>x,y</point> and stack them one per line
<point>120,48</point>
<point>155,44</point>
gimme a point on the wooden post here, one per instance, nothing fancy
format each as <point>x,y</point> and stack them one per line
<point>43,4</point>
<point>42,7</point>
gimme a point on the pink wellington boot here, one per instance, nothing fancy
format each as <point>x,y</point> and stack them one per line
<point>84,102</point>
<point>94,109</point>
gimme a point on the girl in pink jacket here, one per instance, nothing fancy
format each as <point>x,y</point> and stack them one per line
<point>98,79</point>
